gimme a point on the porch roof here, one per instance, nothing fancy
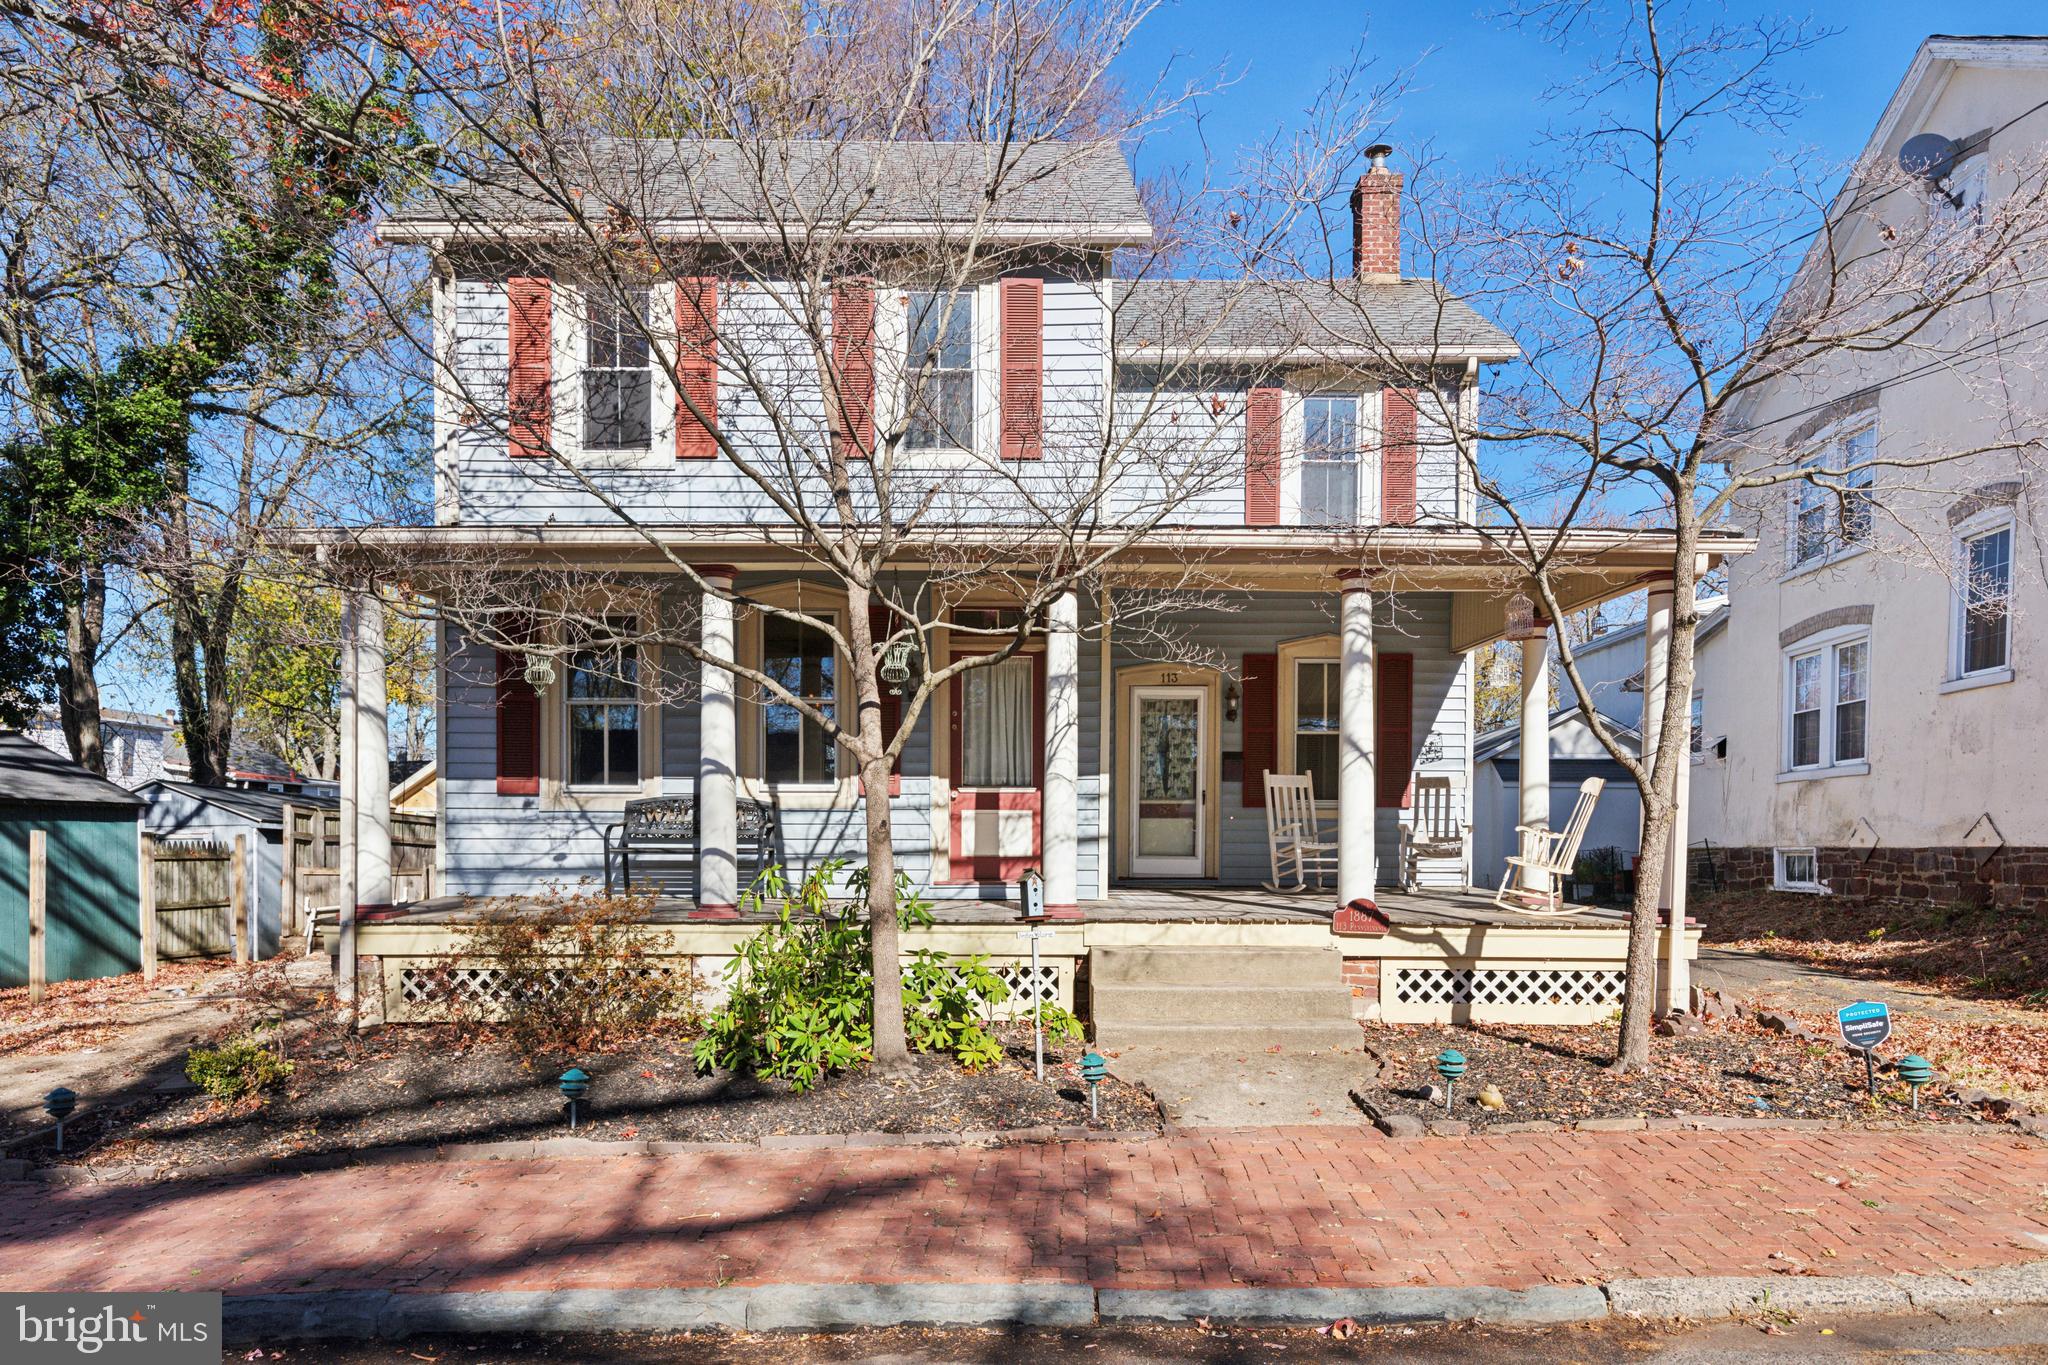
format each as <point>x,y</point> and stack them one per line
<point>1590,565</point>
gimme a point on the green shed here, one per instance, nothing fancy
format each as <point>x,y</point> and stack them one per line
<point>91,906</point>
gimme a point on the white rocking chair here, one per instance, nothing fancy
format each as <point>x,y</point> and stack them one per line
<point>1546,860</point>
<point>1435,830</point>
<point>1294,839</point>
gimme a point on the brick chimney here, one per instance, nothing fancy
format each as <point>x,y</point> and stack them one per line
<point>1376,220</point>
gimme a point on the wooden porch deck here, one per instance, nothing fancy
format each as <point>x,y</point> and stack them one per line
<point>1195,904</point>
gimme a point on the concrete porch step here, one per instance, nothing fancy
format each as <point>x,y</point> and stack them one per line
<point>1240,1042</point>
<point>1237,1007</point>
<point>1220,966</point>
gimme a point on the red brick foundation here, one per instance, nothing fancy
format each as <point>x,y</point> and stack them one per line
<point>1362,977</point>
<point>2011,877</point>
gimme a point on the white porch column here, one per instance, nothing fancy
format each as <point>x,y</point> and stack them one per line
<point>1357,730</point>
<point>373,755</point>
<point>1675,982</point>
<point>1062,811</point>
<point>1533,794</point>
<point>718,871</point>
<point>345,855</point>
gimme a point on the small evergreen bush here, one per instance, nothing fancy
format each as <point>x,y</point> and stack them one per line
<point>238,1067</point>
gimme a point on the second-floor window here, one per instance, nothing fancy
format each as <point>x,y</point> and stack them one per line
<point>618,384</point>
<point>939,370</point>
<point>1834,515</point>
<point>1329,460</point>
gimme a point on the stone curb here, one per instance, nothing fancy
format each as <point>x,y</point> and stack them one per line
<point>551,1149</point>
<point>1315,1307</point>
<point>392,1315</point>
<point>1407,1127</point>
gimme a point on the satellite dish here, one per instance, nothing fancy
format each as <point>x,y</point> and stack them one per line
<point>1929,157</point>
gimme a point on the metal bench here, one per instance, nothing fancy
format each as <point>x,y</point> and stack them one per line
<point>668,824</point>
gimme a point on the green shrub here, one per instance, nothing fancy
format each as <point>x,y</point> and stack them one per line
<point>238,1067</point>
<point>801,992</point>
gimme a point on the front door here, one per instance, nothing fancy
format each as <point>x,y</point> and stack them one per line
<point>1171,805</point>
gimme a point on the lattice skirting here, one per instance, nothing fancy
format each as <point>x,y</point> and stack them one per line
<point>417,990</point>
<point>1555,993</point>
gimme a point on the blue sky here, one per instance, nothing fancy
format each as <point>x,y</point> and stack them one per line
<point>1478,83</point>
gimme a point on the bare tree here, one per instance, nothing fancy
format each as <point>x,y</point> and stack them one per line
<point>805,203</point>
<point>1656,296</point>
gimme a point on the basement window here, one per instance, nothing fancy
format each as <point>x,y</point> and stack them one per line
<point>1797,869</point>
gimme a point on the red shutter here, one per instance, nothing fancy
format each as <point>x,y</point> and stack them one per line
<point>518,729</point>
<point>853,355</point>
<point>1397,457</point>
<point>1023,368</point>
<point>530,386</point>
<point>1262,459</point>
<point>696,368</point>
<point>880,624</point>
<point>1261,716</point>
<point>1394,745</point>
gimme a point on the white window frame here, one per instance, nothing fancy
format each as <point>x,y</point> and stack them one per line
<point>570,334</point>
<point>1323,649</point>
<point>623,625</point>
<point>1803,495</point>
<point>892,360</point>
<point>1780,882</point>
<point>1301,462</point>
<point>1827,646</point>
<point>1991,522</point>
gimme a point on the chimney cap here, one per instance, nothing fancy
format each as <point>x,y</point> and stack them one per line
<point>1378,154</point>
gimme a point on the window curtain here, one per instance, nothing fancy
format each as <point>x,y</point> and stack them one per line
<point>996,732</point>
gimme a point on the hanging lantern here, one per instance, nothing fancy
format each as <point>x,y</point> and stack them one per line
<point>1521,617</point>
<point>539,671</point>
<point>896,660</point>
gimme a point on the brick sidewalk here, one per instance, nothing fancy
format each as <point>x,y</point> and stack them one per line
<point>1293,1207</point>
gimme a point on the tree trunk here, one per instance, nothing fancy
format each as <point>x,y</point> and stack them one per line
<point>1639,1004</point>
<point>892,1047</point>
<point>78,682</point>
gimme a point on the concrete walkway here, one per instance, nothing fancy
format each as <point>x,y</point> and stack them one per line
<point>1297,1208</point>
<point>153,1035</point>
<point>1255,1087</point>
<point>1740,974</point>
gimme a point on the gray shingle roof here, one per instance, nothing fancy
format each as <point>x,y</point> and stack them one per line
<point>911,182</point>
<point>263,807</point>
<point>1340,319</point>
<point>33,775</point>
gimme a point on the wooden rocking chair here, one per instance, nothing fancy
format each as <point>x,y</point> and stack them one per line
<point>1435,831</point>
<point>1546,858</point>
<point>1293,836</point>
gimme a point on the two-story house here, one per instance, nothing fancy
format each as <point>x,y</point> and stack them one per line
<point>1870,709</point>
<point>1345,583</point>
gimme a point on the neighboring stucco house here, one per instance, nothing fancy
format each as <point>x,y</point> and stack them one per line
<point>1359,587</point>
<point>1873,708</point>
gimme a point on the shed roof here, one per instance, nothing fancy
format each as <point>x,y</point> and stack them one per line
<point>31,774</point>
<point>263,807</point>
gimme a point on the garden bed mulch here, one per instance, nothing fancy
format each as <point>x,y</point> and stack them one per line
<point>417,1088</point>
<point>1734,1069</point>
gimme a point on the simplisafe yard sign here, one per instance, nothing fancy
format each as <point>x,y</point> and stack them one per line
<point>1865,1024</point>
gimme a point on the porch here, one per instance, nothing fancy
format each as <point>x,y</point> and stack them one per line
<point>1444,955</point>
